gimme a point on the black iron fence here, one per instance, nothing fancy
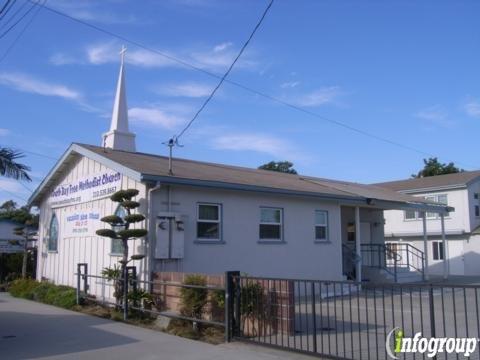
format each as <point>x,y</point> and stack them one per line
<point>331,319</point>
<point>130,283</point>
<point>347,320</point>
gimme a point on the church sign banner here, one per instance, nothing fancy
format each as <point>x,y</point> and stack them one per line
<point>82,223</point>
<point>84,189</point>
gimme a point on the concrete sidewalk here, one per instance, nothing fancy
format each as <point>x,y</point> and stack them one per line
<point>30,330</point>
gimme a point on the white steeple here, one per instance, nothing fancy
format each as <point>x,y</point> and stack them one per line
<point>119,137</point>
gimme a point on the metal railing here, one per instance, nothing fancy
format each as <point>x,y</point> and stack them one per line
<point>349,320</point>
<point>130,282</point>
<point>393,257</point>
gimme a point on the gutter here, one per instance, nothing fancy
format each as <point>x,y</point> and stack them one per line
<point>151,229</point>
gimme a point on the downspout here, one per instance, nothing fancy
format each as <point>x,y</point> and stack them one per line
<point>151,228</point>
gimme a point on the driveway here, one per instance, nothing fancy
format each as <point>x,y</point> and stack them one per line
<point>30,330</point>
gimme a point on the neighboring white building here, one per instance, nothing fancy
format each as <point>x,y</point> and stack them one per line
<point>9,242</point>
<point>462,241</point>
<point>205,217</point>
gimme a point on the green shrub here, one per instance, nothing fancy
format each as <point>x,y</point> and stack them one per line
<point>194,300</point>
<point>45,292</point>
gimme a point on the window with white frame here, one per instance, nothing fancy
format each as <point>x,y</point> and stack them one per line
<point>117,244</point>
<point>270,223</point>
<point>437,250</point>
<point>321,225</point>
<point>417,215</point>
<point>52,244</point>
<point>209,222</point>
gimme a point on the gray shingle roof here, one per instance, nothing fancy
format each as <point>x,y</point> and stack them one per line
<point>432,182</point>
<point>152,166</point>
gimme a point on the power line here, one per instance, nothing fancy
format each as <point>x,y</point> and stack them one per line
<point>241,86</point>
<point>7,10</point>
<point>13,194</point>
<point>207,100</point>
<point>20,34</point>
<point>2,35</point>
<point>5,6</point>
<point>14,15</point>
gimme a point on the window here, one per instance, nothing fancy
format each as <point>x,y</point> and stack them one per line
<point>429,214</point>
<point>437,248</point>
<point>321,225</point>
<point>270,224</point>
<point>416,215</point>
<point>475,196</point>
<point>351,232</point>
<point>208,221</point>
<point>410,215</point>
<point>52,244</point>
<point>117,244</point>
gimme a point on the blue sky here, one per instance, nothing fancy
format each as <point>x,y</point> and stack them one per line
<point>402,70</point>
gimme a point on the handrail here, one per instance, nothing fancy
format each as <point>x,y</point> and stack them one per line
<point>396,255</point>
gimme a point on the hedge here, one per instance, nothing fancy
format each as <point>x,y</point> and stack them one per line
<point>45,292</point>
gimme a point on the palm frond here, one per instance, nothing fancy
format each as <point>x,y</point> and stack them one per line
<point>9,166</point>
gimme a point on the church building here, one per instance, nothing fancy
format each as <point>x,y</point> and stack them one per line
<point>204,217</point>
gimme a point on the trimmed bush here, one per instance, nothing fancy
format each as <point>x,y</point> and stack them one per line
<point>194,299</point>
<point>45,292</point>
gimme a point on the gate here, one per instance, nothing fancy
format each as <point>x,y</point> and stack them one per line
<point>348,320</point>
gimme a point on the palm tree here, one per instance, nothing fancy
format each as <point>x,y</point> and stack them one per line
<point>10,168</point>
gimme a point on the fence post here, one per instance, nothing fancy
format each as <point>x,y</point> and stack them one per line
<point>85,278</point>
<point>230,293</point>
<point>314,316</point>
<point>125,293</point>
<point>395,267</point>
<point>432,311</point>
<point>78,284</point>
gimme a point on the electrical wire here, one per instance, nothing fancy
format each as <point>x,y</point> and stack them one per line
<point>2,35</point>
<point>14,15</point>
<point>12,4</point>
<point>212,94</point>
<point>5,6</point>
<point>20,34</point>
<point>241,86</point>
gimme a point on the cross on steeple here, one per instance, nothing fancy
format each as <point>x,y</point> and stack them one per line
<point>119,136</point>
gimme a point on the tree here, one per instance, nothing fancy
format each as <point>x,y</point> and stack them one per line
<point>27,230</point>
<point>10,168</point>
<point>432,167</point>
<point>120,229</point>
<point>8,205</point>
<point>279,166</point>
<point>28,233</point>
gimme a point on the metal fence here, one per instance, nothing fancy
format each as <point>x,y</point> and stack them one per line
<point>130,282</point>
<point>331,319</point>
<point>336,319</point>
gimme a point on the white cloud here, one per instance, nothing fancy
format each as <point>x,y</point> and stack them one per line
<point>26,83</point>
<point>434,114</point>
<point>91,10</point>
<point>155,117</point>
<point>109,52</point>
<point>322,96</point>
<point>4,132</point>
<point>253,142</point>
<point>11,186</point>
<point>472,108</point>
<point>193,90</point>
<point>217,58</point>
<point>222,46</point>
<point>290,84</point>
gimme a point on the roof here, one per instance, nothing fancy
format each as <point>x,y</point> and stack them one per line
<point>438,182</point>
<point>150,167</point>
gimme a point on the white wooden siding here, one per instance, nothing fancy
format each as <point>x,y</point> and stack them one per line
<point>59,267</point>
